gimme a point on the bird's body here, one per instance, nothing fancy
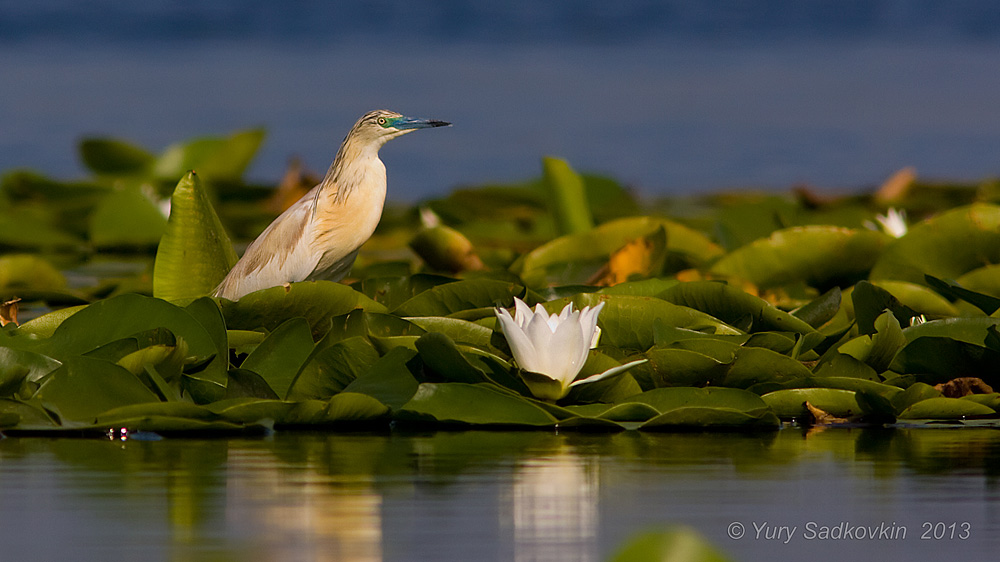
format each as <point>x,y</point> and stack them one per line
<point>318,237</point>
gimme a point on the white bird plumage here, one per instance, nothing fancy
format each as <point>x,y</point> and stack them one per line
<point>319,236</point>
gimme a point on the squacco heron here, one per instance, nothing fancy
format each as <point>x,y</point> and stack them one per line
<point>318,237</point>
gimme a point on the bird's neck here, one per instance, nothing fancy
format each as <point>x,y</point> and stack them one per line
<point>353,168</point>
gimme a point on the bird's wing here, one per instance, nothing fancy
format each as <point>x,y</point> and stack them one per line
<point>281,253</point>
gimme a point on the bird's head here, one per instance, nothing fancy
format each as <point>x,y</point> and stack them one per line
<point>381,125</point>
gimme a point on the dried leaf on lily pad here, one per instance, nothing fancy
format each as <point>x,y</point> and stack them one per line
<point>8,312</point>
<point>963,386</point>
<point>819,417</point>
<point>639,257</point>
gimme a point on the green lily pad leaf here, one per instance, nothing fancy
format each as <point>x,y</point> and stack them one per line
<point>641,288</point>
<point>170,409</point>
<point>628,412</point>
<point>393,291</point>
<point>946,246</point>
<point>331,368</point>
<point>245,341</point>
<point>82,388</point>
<point>840,365</point>
<point>936,360</point>
<point>461,331</point>
<point>467,294</point>
<point>45,325</point>
<point>820,310</point>
<point>973,330</point>
<point>125,315</point>
<point>988,304</point>
<point>172,425</point>
<point>316,301</point>
<point>23,273</point>
<point>681,367</point>
<point>126,218</point>
<point>440,354</point>
<point>17,366</point>
<point>251,410</point>
<point>574,258</point>
<point>821,256</point>
<point>696,417</point>
<point>280,357</point>
<point>389,380</point>
<point>871,301</point>
<point>217,158</point>
<point>31,230</point>
<point>114,157</point>
<point>856,385</point>
<point>15,413</point>
<point>754,365</point>
<point>878,349</point>
<point>666,399</point>
<point>248,384</point>
<point>919,298</point>
<point>916,392</point>
<point>945,409</point>
<point>195,252</point>
<point>982,280</point>
<point>627,321</point>
<point>790,403</point>
<point>353,407</point>
<point>732,305</point>
<point>472,404</point>
<point>678,544</point>
<point>205,384</point>
<point>611,389</point>
<point>991,400</point>
<point>568,199</point>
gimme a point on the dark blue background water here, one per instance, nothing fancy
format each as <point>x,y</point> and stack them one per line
<point>667,96</point>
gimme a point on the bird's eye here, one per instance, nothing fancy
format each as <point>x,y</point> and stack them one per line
<point>381,121</point>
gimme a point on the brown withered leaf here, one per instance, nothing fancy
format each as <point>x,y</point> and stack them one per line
<point>643,257</point>
<point>8,312</point>
<point>896,187</point>
<point>963,386</point>
<point>815,416</point>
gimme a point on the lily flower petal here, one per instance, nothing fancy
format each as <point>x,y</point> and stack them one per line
<point>551,349</point>
<point>609,373</point>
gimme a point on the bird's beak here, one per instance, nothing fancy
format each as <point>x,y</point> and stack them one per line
<point>403,123</point>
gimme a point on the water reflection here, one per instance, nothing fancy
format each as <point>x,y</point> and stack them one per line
<point>480,495</point>
<point>301,514</point>
<point>554,508</point>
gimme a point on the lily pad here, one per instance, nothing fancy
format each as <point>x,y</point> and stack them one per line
<point>946,246</point>
<point>472,404</point>
<point>945,409</point>
<point>82,388</point>
<point>790,403</point>
<point>574,258</point>
<point>732,305</point>
<point>316,301</point>
<point>821,256</point>
<point>195,252</point>
<point>443,300</point>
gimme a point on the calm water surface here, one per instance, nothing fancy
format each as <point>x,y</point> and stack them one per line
<point>499,495</point>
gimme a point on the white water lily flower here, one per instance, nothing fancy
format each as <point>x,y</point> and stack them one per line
<point>893,222</point>
<point>551,349</point>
